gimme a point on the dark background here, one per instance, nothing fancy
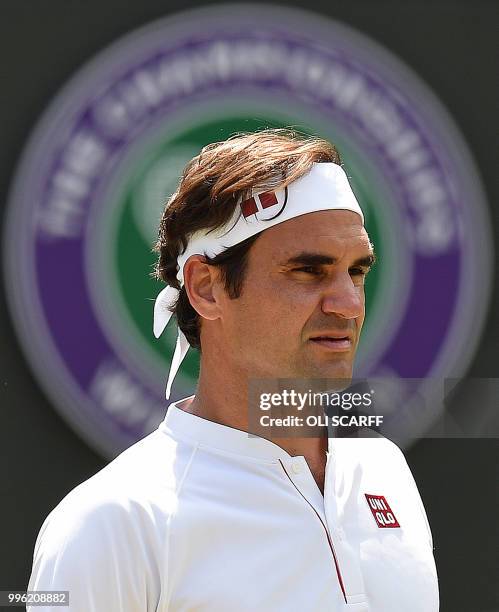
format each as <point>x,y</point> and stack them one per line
<point>452,45</point>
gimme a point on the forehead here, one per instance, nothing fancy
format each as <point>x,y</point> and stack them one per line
<point>326,230</point>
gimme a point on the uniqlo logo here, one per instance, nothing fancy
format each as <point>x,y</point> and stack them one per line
<point>250,207</point>
<point>380,508</point>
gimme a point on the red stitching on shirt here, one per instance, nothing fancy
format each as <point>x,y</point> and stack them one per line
<point>331,546</point>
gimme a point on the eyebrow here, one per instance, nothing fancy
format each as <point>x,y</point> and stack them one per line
<point>307,258</point>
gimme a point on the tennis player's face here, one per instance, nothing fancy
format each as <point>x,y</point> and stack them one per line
<point>302,305</point>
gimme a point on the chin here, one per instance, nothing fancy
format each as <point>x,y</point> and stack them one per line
<point>340,376</point>
<point>339,383</point>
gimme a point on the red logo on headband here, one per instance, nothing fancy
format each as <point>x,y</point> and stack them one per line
<point>381,511</point>
<point>250,207</point>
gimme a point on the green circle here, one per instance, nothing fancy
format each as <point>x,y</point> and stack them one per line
<point>133,256</point>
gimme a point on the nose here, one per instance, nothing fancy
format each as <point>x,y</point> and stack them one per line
<point>343,297</point>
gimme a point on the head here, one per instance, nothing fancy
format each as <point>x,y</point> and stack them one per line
<point>278,303</point>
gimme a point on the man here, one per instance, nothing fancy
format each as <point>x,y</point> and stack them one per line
<point>265,254</point>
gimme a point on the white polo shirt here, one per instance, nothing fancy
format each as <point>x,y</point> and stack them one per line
<point>201,517</point>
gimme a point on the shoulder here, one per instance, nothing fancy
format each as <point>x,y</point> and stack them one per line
<point>373,452</point>
<point>106,539</point>
<point>365,443</point>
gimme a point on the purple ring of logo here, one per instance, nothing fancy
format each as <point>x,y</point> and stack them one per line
<point>73,328</point>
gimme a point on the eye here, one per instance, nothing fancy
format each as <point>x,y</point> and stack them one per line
<point>359,271</point>
<point>308,270</point>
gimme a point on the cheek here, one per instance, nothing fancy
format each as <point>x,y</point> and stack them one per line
<point>265,314</point>
<point>243,317</point>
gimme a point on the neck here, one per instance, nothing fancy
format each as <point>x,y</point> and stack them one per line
<point>223,399</point>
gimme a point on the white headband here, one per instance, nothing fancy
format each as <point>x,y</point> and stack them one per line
<point>324,187</point>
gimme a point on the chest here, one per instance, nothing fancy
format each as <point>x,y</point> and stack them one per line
<point>268,542</point>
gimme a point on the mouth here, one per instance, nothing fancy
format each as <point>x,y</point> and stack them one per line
<point>333,343</point>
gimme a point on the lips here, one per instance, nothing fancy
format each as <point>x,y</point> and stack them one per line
<point>334,342</point>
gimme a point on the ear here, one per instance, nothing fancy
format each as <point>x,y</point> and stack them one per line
<point>202,284</point>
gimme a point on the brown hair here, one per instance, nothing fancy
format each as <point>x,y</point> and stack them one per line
<point>212,184</point>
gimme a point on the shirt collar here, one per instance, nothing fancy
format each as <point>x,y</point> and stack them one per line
<point>219,436</point>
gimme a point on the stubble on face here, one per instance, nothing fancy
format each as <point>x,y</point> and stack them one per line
<point>303,290</point>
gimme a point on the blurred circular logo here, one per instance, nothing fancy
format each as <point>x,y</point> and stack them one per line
<point>88,196</point>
